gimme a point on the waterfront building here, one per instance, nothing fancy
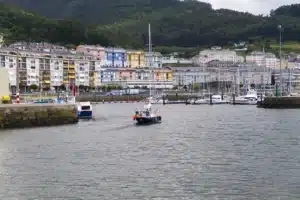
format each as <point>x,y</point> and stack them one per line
<point>96,51</point>
<point>45,72</point>
<point>115,57</point>
<point>9,61</point>
<point>173,59</point>
<point>82,69</point>
<point>69,71</point>
<point>268,60</point>
<point>107,76</point>
<point>142,75</point>
<point>153,60</point>
<point>164,74</point>
<point>40,47</point>
<point>224,55</point>
<point>1,41</point>
<point>33,70</point>
<point>136,59</point>
<point>183,76</point>
<point>56,72</point>
<point>125,75</point>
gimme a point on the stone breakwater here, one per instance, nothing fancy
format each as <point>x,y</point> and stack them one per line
<point>280,102</point>
<point>35,115</point>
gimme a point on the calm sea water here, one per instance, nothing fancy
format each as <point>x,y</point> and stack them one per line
<point>198,152</point>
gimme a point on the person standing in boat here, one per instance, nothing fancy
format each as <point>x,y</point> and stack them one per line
<point>147,112</point>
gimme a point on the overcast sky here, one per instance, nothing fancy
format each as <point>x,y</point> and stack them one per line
<point>252,6</point>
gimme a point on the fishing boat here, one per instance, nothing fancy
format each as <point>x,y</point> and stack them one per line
<point>147,116</point>
<point>84,110</point>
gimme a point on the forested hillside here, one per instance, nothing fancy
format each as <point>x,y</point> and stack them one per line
<point>175,23</point>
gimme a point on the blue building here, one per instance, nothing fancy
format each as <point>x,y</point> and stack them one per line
<point>116,57</point>
<point>108,76</point>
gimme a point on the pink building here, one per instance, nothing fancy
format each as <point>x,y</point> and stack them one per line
<point>93,50</point>
<point>126,74</point>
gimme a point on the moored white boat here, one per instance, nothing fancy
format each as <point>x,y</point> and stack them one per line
<point>250,98</point>
<point>200,101</point>
<point>85,110</point>
<point>217,99</point>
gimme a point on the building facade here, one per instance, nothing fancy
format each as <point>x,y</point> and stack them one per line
<point>263,59</point>
<point>224,55</point>
<point>136,59</point>
<point>98,52</point>
<point>116,57</point>
<point>153,60</point>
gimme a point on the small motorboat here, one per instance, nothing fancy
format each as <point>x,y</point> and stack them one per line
<point>147,116</point>
<point>84,110</point>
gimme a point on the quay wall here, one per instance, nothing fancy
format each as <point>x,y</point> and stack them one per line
<point>126,98</point>
<point>35,115</point>
<point>280,102</point>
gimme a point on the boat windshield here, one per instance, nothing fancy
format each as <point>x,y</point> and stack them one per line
<point>85,108</point>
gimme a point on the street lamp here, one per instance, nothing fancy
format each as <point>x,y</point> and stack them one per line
<point>280,46</point>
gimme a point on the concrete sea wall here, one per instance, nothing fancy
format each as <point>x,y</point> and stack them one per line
<point>280,102</point>
<point>35,115</point>
<point>126,98</point>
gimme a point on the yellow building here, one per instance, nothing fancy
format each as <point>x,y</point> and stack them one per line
<point>163,75</point>
<point>136,59</point>
<point>69,72</point>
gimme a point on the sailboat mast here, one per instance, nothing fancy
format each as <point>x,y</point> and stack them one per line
<point>150,54</point>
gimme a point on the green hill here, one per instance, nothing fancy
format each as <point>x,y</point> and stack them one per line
<point>187,23</point>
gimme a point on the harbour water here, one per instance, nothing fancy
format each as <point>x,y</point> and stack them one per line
<point>198,152</point>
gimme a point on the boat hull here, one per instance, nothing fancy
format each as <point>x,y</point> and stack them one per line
<point>148,120</point>
<point>85,114</point>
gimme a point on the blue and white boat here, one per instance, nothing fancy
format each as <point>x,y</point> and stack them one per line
<point>84,110</point>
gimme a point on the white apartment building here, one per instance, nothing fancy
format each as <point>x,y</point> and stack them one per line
<point>56,72</point>
<point>1,41</point>
<point>33,71</point>
<point>153,60</point>
<point>174,60</point>
<point>82,69</point>
<point>225,55</point>
<point>10,62</point>
<point>268,60</point>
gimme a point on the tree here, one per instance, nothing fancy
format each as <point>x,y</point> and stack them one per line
<point>81,87</point>
<point>46,88</point>
<point>118,87</point>
<point>124,24</point>
<point>62,87</point>
<point>103,88</point>
<point>33,87</point>
<point>196,87</point>
<point>108,88</point>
